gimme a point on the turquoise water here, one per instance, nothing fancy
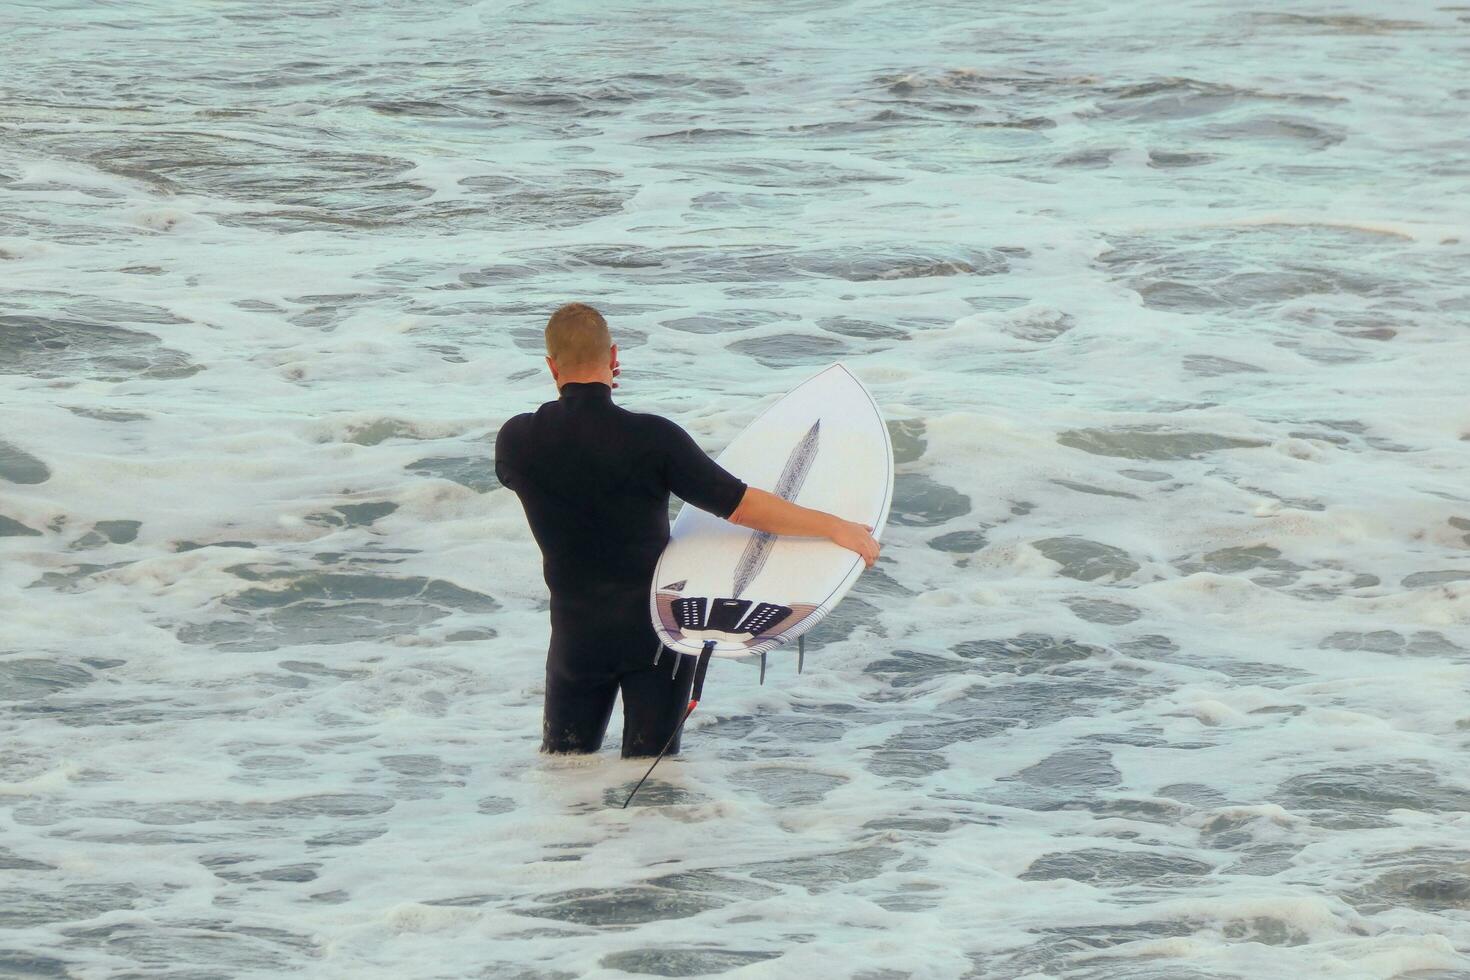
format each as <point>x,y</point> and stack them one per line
<point>1162,671</point>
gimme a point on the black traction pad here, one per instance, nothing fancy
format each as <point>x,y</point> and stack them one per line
<point>727,615</point>
<point>689,612</point>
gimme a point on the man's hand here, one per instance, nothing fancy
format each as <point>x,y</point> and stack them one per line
<point>859,538</point>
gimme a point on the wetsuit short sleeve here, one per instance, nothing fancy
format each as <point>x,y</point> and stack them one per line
<point>692,476</point>
<point>505,461</point>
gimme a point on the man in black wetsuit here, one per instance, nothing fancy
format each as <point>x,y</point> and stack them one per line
<point>595,481</point>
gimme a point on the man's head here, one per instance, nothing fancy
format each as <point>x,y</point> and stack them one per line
<point>579,347</point>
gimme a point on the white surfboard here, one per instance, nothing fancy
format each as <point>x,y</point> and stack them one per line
<point>823,445</point>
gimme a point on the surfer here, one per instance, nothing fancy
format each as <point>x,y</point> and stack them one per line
<point>594,479</point>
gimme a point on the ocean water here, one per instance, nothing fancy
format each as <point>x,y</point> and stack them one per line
<point>1163,671</point>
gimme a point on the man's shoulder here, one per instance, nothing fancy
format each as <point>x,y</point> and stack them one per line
<point>512,427</point>
<point>650,419</point>
<point>517,421</point>
<point>652,425</point>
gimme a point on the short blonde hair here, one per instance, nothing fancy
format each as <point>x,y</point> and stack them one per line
<point>577,337</point>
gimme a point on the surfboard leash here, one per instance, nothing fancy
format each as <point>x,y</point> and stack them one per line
<point>700,668</point>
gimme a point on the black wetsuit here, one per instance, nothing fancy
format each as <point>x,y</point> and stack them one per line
<point>595,480</point>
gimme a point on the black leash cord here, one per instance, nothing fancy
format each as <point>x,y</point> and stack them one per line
<point>700,668</point>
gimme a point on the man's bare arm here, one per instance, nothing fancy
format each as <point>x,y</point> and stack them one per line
<point>767,512</point>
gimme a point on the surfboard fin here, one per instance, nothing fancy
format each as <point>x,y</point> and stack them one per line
<point>763,667</point>
<point>800,653</point>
